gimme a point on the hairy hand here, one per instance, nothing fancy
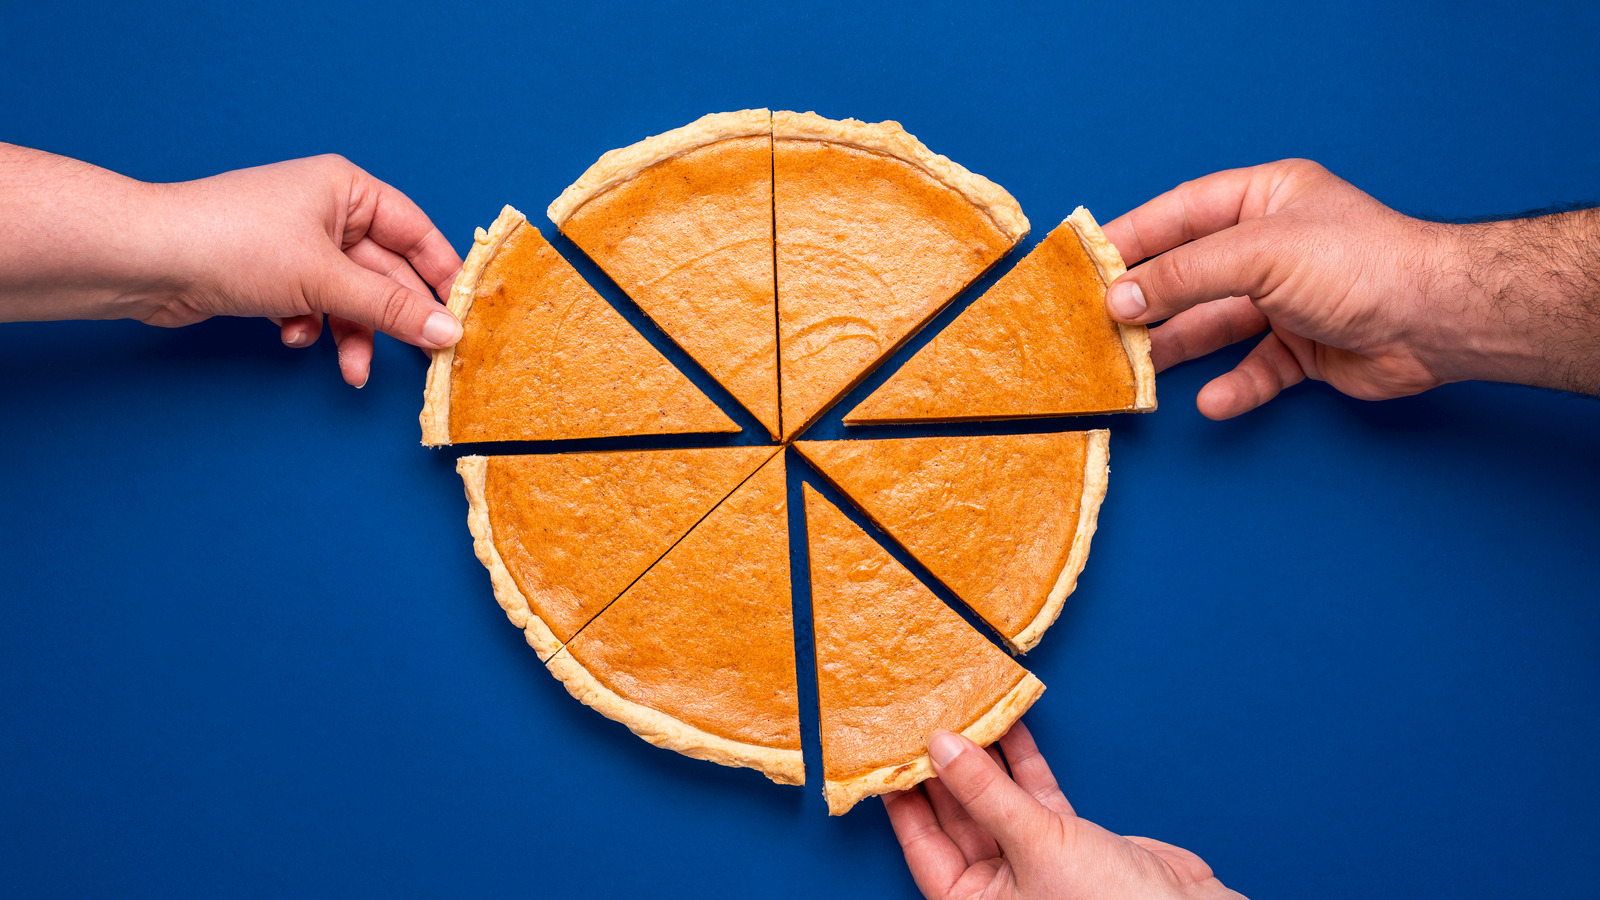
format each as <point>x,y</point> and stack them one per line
<point>295,240</point>
<point>975,832</point>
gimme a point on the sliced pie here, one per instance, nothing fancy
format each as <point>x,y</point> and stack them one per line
<point>875,234</point>
<point>683,222</point>
<point>543,357</point>
<point>698,656</point>
<point>893,664</point>
<point>1003,520</point>
<point>564,534</point>
<point>1038,343</point>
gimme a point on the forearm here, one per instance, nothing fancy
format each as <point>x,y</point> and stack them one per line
<point>81,242</point>
<point>1519,301</point>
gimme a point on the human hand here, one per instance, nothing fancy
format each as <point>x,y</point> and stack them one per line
<point>1375,303</point>
<point>974,832</point>
<point>295,240</point>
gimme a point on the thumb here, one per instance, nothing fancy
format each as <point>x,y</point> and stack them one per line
<point>1012,816</point>
<point>1241,261</point>
<point>349,291</point>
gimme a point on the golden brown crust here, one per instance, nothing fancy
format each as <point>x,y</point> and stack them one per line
<point>1135,338</point>
<point>435,416</point>
<point>474,474</point>
<point>662,730</point>
<point>623,163</point>
<point>988,728</point>
<point>1096,476</point>
<point>890,139</point>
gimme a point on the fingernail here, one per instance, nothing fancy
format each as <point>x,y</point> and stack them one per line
<point>1127,300</point>
<point>944,746</point>
<point>295,339</point>
<point>363,382</point>
<point>441,329</point>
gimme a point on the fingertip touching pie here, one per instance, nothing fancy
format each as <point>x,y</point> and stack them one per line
<point>1038,343</point>
<point>683,223</point>
<point>544,357</point>
<point>698,655</point>
<point>1014,556</point>
<point>893,664</point>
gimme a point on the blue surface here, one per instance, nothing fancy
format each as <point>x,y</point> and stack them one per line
<point>1336,648</point>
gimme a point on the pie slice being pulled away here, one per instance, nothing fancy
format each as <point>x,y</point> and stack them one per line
<point>543,357</point>
<point>564,534</point>
<point>875,234</point>
<point>1005,520</point>
<point>683,222</point>
<point>698,656</point>
<point>1038,343</point>
<point>893,664</point>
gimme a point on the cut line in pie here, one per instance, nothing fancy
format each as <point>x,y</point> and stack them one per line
<point>789,255</point>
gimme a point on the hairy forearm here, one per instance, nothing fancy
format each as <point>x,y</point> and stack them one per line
<point>78,241</point>
<point>1521,299</point>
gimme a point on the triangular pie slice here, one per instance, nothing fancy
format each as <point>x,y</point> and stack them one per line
<point>698,656</point>
<point>544,357</point>
<point>893,664</point>
<point>1004,520</point>
<point>683,222</point>
<point>875,234</point>
<point>1038,343</point>
<point>564,534</point>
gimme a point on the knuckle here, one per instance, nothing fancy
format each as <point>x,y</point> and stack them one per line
<point>394,308</point>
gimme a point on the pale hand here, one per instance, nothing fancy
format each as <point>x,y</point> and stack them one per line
<point>975,832</point>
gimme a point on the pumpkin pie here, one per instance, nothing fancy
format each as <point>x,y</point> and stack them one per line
<point>875,234</point>
<point>1038,343</point>
<point>543,357</point>
<point>893,664</point>
<point>564,534</point>
<point>683,223</point>
<point>1004,520</point>
<point>698,655</point>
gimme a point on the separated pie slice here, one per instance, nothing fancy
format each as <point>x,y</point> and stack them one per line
<point>1038,343</point>
<point>893,664</point>
<point>562,535</point>
<point>875,234</point>
<point>543,357</point>
<point>698,656</point>
<point>1003,520</point>
<point>683,222</point>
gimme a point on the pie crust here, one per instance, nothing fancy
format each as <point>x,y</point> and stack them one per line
<point>890,139</point>
<point>623,163</point>
<point>1096,477</point>
<point>1135,338</point>
<point>474,471</point>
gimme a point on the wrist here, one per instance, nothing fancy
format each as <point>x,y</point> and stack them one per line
<point>1515,301</point>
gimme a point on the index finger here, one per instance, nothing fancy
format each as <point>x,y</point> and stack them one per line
<point>397,223</point>
<point>1192,210</point>
<point>1030,771</point>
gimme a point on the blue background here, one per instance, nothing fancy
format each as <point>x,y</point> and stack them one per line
<point>1336,648</point>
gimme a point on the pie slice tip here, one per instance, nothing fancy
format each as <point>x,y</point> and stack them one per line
<point>623,163</point>
<point>435,416</point>
<point>1096,477</point>
<point>784,766</point>
<point>474,472</point>
<point>844,794</point>
<point>1135,338</point>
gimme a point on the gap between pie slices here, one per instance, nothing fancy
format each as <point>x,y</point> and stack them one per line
<point>683,223</point>
<point>893,664</point>
<point>698,655</point>
<point>544,357</point>
<point>1014,555</point>
<point>1038,343</point>
<point>564,534</point>
<point>875,234</point>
